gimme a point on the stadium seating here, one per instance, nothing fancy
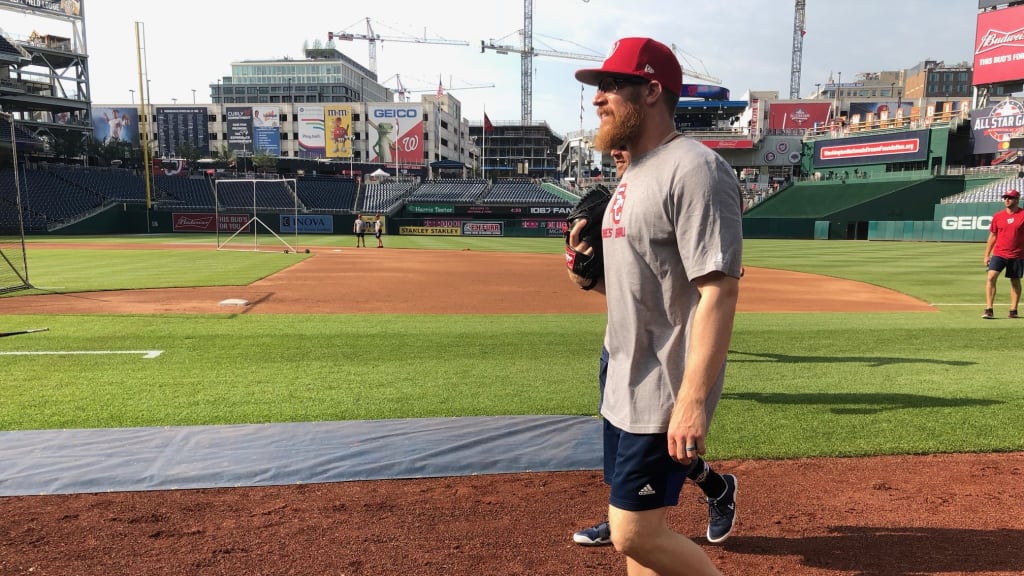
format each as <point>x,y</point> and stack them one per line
<point>114,184</point>
<point>385,197</point>
<point>521,191</point>
<point>178,192</point>
<point>270,195</point>
<point>325,193</point>
<point>47,199</point>
<point>456,191</point>
<point>991,193</point>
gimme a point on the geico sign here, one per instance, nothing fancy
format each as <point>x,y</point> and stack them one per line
<point>395,113</point>
<point>966,222</point>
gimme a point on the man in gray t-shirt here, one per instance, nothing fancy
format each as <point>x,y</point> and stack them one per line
<point>674,218</point>
<point>672,239</point>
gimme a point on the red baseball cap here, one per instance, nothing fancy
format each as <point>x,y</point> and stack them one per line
<point>640,57</point>
<point>1011,194</point>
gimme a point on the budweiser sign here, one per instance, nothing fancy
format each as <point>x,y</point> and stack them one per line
<point>999,46</point>
<point>207,222</point>
<point>996,39</point>
<point>189,222</point>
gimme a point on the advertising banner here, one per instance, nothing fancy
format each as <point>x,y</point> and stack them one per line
<point>999,46</point>
<point>69,8</point>
<point>551,227</point>
<point>992,127</point>
<point>879,110</point>
<point>797,116</point>
<point>208,222</point>
<point>266,130</point>
<point>307,223</point>
<point>728,144</point>
<point>177,126</point>
<point>705,91</point>
<point>339,131</point>
<point>909,146</point>
<point>429,231</point>
<point>239,129</point>
<point>116,124</point>
<point>170,167</point>
<point>395,134</point>
<point>311,131</point>
<point>483,228</point>
<point>430,208</point>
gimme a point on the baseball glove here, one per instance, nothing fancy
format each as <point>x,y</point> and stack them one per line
<point>591,207</point>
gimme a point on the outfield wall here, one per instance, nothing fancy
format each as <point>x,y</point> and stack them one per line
<point>127,219</point>
<point>951,223</point>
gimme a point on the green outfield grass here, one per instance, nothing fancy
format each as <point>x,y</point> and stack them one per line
<point>798,384</point>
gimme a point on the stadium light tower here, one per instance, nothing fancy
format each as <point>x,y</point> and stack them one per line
<point>798,49</point>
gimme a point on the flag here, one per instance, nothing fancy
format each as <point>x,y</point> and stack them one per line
<point>488,127</point>
<point>440,87</point>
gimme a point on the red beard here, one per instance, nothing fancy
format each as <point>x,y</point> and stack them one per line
<point>621,129</point>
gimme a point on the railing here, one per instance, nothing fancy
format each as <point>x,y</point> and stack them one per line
<point>843,128</point>
<point>984,171</point>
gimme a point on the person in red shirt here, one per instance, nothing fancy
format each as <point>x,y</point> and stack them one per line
<point>1005,251</point>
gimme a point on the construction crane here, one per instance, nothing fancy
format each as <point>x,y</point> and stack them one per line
<point>402,93</point>
<point>528,52</point>
<point>798,49</point>
<point>372,37</point>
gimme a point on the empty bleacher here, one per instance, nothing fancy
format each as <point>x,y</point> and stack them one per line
<point>990,193</point>
<point>47,199</point>
<point>325,193</point>
<point>22,137</point>
<point>178,192</point>
<point>457,191</point>
<point>521,191</point>
<point>384,197</point>
<point>114,184</point>
<point>269,195</point>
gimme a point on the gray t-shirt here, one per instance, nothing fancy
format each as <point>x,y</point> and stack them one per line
<point>675,216</point>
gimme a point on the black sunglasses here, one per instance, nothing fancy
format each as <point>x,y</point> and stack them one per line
<point>610,84</point>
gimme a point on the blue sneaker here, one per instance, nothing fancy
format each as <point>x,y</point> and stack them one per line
<point>722,511</point>
<point>599,535</point>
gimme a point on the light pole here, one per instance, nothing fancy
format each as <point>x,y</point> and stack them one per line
<point>817,90</point>
<point>839,100</point>
<point>133,96</point>
<point>193,96</point>
<point>174,100</point>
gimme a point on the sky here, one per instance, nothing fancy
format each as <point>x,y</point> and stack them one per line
<point>746,43</point>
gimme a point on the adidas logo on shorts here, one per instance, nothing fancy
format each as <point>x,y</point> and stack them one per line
<point>647,491</point>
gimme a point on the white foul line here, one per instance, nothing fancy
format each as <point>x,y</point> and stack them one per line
<point>147,354</point>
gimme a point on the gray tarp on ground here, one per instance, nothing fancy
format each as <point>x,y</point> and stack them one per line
<point>130,459</point>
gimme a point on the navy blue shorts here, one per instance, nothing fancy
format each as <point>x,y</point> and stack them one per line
<point>639,470</point>
<point>1014,266</point>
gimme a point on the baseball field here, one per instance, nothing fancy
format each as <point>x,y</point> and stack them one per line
<point>873,418</point>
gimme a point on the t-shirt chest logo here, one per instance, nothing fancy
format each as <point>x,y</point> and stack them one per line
<point>616,230</point>
<point>618,201</point>
<point>1010,220</point>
